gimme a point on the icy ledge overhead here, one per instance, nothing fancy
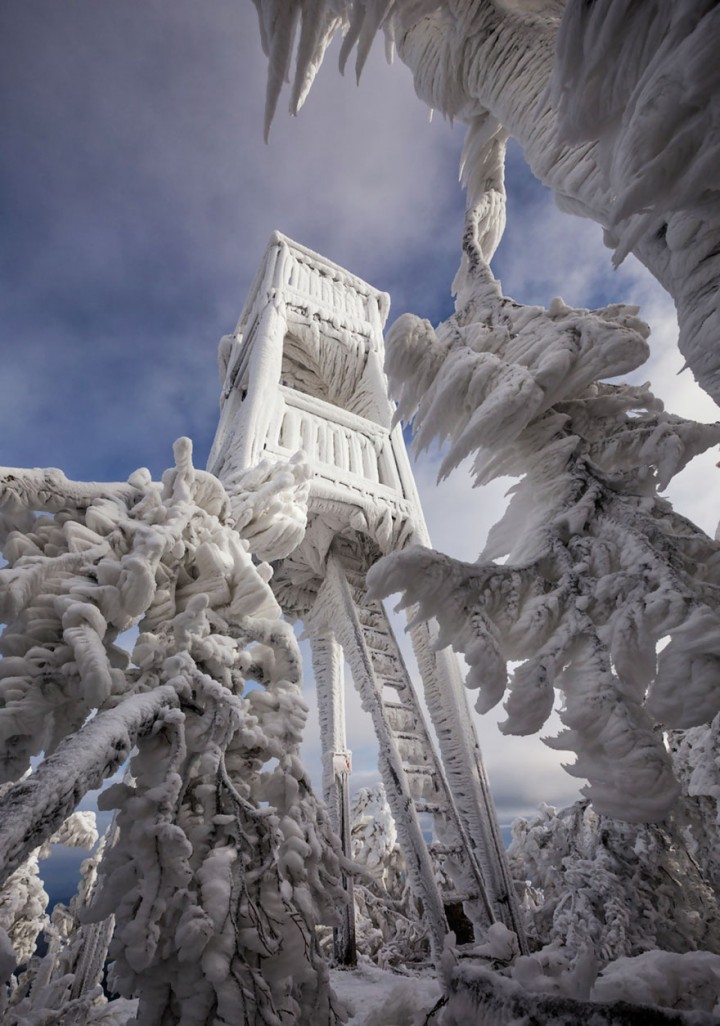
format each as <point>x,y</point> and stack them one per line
<point>599,568</point>
<point>614,103</point>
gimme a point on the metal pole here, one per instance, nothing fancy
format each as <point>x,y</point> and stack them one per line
<point>328,662</point>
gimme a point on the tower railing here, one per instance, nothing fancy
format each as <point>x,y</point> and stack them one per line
<point>300,274</point>
<point>345,445</point>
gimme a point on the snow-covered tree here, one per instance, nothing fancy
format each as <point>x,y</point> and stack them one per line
<point>696,759</point>
<point>23,902</point>
<point>223,862</point>
<point>388,922</point>
<point>599,568</point>
<point>67,977</point>
<point>618,888</point>
<point>614,103</point>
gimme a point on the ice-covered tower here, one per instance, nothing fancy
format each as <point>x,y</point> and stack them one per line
<point>304,371</point>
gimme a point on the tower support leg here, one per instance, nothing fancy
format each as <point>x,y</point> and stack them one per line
<point>446,699</point>
<point>336,604</point>
<point>328,662</point>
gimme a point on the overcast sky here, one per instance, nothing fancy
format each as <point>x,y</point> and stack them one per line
<point>138,198</point>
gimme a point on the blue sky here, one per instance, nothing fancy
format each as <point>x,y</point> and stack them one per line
<point>137,198</point>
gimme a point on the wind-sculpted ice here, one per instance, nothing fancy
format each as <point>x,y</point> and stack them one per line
<point>614,103</point>
<point>269,505</point>
<point>598,566</point>
<point>222,862</point>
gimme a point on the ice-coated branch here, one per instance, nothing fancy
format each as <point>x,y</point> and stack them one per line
<point>33,809</point>
<point>616,888</point>
<point>269,505</point>
<point>50,490</point>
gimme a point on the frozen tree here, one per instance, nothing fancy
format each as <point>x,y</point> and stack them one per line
<point>617,888</point>
<point>67,978</point>
<point>223,862</point>
<point>373,834</point>
<point>23,900</point>
<point>599,568</point>
<point>23,903</point>
<point>614,103</point>
<point>697,764</point>
<point>389,925</point>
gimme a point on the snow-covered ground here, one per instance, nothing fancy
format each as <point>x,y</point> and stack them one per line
<point>378,997</point>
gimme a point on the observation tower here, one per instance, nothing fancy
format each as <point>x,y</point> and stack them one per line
<point>304,371</point>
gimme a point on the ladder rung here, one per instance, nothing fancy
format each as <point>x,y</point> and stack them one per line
<point>403,735</point>
<point>370,609</point>
<point>434,808</point>
<point>392,680</point>
<point>378,640</point>
<point>381,653</point>
<point>437,848</point>
<point>408,764</point>
<point>386,681</point>
<point>401,719</point>
<point>413,751</point>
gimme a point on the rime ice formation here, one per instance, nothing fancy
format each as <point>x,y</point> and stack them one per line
<point>617,889</point>
<point>374,834</point>
<point>23,900</point>
<point>67,979</point>
<point>222,863</point>
<point>479,995</point>
<point>696,758</point>
<point>221,875</point>
<point>614,103</point>
<point>599,567</point>
<point>389,922</point>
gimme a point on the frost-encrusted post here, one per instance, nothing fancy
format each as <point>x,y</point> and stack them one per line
<point>328,662</point>
<point>462,759</point>
<point>327,658</point>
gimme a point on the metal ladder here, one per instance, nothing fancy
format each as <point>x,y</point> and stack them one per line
<point>411,771</point>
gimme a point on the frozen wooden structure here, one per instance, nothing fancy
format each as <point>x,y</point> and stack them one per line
<point>305,372</point>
